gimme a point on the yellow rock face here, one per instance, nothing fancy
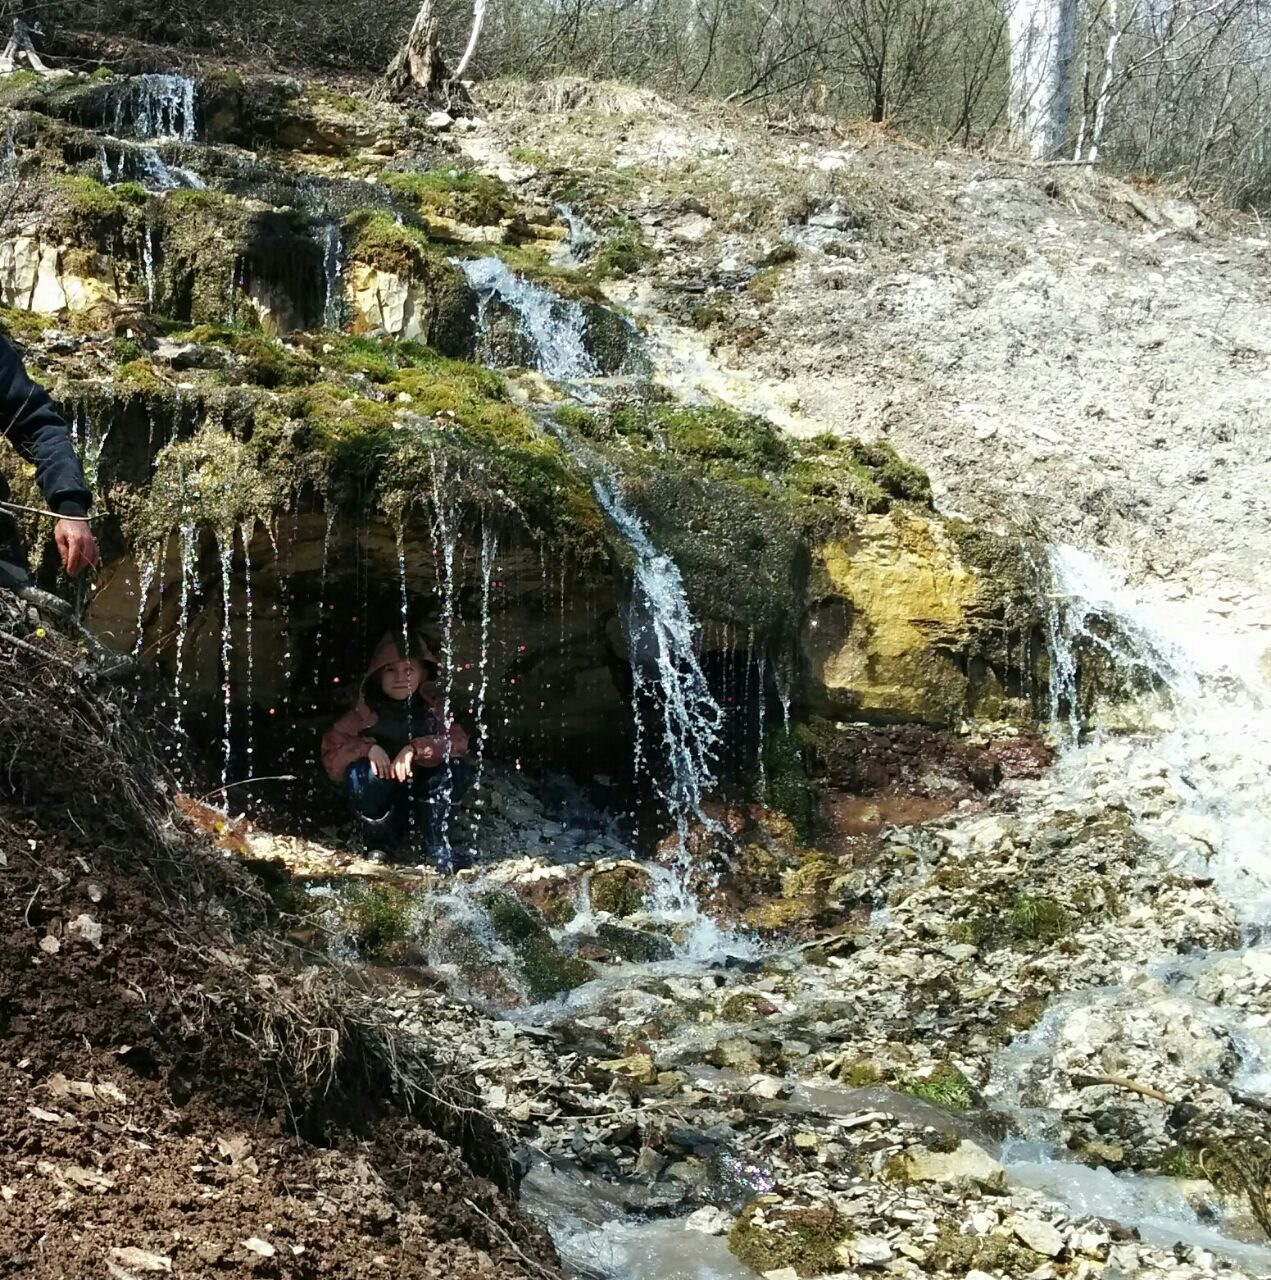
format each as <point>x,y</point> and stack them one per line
<point>895,613</point>
<point>35,277</point>
<point>382,300</point>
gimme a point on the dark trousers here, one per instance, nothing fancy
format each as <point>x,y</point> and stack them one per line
<point>15,572</point>
<point>409,818</point>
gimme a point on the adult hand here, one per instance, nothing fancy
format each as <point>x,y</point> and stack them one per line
<point>404,763</point>
<point>381,765</point>
<point>76,545</point>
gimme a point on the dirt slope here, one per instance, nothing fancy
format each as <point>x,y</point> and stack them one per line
<point>180,1095</point>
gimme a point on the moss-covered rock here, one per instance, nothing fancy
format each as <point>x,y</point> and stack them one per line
<point>770,1237</point>
<point>621,890</point>
<point>546,970</point>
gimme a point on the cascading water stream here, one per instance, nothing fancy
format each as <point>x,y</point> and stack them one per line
<point>1210,738</point>
<point>147,263</point>
<point>158,106</point>
<point>333,270</point>
<point>580,242</point>
<point>554,327</point>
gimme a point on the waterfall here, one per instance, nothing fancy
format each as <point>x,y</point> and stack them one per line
<point>158,106</point>
<point>554,328</point>
<point>147,262</point>
<point>1210,747</point>
<point>581,241</point>
<point>661,635</point>
<point>333,266</point>
<point>1214,738</point>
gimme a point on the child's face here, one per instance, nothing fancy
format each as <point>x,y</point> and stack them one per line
<point>402,678</point>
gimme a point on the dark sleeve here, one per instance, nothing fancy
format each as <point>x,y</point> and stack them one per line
<point>38,431</point>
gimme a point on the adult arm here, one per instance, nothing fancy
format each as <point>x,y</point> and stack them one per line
<point>38,430</point>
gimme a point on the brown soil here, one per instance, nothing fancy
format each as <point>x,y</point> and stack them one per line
<point>182,1095</point>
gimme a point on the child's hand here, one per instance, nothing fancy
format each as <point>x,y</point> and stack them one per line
<point>404,763</point>
<point>381,765</point>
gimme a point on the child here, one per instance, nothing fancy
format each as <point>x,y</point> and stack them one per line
<point>390,754</point>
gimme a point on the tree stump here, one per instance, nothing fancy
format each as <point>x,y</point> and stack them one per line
<point>418,70</point>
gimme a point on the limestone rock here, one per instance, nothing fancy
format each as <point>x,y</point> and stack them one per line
<point>1039,1236</point>
<point>35,276</point>
<point>967,1161</point>
<point>904,607</point>
<point>710,1221</point>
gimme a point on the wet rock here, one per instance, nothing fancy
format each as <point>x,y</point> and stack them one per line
<point>920,597</point>
<point>620,890</point>
<point>638,946</point>
<point>709,1220</point>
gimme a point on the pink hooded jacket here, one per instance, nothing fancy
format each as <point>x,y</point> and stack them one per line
<point>347,740</point>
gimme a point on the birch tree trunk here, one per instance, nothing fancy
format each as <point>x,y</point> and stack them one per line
<point>478,17</point>
<point>1043,35</point>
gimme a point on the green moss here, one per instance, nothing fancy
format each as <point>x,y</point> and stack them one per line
<point>805,1239</point>
<point>1182,1162</point>
<point>191,200</point>
<point>1023,1017</point>
<point>744,1006</point>
<point>223,79</point>
<point>621,891</point>
<point>763,285</point>
<point>377,918</point>
<point>945,1086</point>
<point>132,193</point>
<point>546,970</point>
<point>90,202</point>
<point>995,1254</point>
<point>624,253</point>
<point>898,478</point>
<point>139,374</point>
<point>968,932</point>
<point>24,325</point>
<point>320,93</point>
<point>1038,919</point>
<point>454,193</point>
<point>790,791</point>
<point>530,156</point>
<point>376,238</point>
<point>265,362</point>
<point>210,481</point>
<point>860,1074</point>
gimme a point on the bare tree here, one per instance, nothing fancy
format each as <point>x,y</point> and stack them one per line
<point>1042,39</point>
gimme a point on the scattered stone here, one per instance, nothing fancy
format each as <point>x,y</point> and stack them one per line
<point>1040,1237</point>
<point>87,929</point>
<point>709,1220</point>
<point>141,1260</point>
<point>439,121</point>
<point>968,1161</point>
